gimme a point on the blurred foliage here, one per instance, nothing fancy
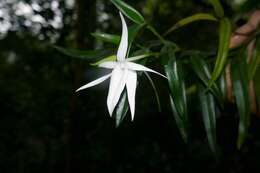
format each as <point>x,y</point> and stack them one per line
<point>37,131</point>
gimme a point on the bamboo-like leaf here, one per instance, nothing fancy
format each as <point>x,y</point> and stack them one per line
<point>218,8</point>
<point>190,19</point>
<point>115,39</point>
<point>240,88</point>
<point>255,61</point>
<point>121,109</point>
<point>139,57</point>
<point>129,11</point>
<point>133,32</point>
<point>179,121</point>
<point>201,69</point>
<point>110,38</point>
<point>222,86</point>
<point>208,107</point>
<point>178,93</point>
<point>223,49</point>
<point>109,58</point>
<point>82,54</point>
<point>113,58</point>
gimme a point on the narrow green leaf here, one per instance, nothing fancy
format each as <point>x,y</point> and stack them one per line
<point>218,8</point>
<point>132,33</point>
<point>113,58</point>
<point>223,49</point>
<point>110,58</point>
<point>138,57</point>
<point>222,85</point>
<point>155,91</point>
<point>190,19</point>
<point>208,108</point>
<point>129,11</point>
<point>240,88</point>
<point>201,69</point>
<point>180,124</point>
<point>121,109</point>
<point>178,93</point>
<point>110,38</point>
<point>115,39</point>
<point>255,60</point>
<point>82,54</point>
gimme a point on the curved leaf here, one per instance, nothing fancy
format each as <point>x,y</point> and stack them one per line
<point>82,54</point>
<point>132,33</point>
<point>190,19</point>
<point>110,38</point>
<point>255,60</point>
<point>129,11</point>
<point>138,57</point>
<point>110,58</point>
<point>178,93</point>
<point>223,49</point>
<point>218,8</point>
<point>121,109</point>
<point>179,121</point>
<point>208,108</point>
<point>201,68</point>
<point>240,88</point>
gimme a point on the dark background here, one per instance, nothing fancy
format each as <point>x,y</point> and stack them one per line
<point>46,127</point>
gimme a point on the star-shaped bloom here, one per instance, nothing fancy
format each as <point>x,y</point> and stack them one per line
<point>124,74</point>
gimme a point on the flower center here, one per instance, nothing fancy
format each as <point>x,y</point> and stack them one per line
<point>122,65</point>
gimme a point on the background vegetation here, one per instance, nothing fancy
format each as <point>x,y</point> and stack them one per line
<point>46,127</point>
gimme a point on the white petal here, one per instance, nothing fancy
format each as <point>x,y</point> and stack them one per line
<point>139,67</point>
<point>108,64</point>
<point>116,87</point>
<point>122,49</point>
<point>131,88</point>
<point>95,82</point>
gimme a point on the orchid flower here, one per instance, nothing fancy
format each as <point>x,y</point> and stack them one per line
<point>124,74</point>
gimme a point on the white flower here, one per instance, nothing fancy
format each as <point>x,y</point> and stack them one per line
<point>123,74</point>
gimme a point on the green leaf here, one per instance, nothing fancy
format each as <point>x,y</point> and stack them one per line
<point>113,58</point>
<point>240,88</point>
<point>255,60</point>
<point>190,19</point>
<point>223,49</point>
<point>121,109</point>
<point>110,38</point>
<point>155,91</point>
<point>110,58</point>
<point>201,69</point>
<point>132,33</point>
<point>115,39</point>
<point>138,57</point>
<point>82,54</point>
<point>208,108</point>
<point>129,11</point>
<point>179,121</point>
<point>217,7</point>
<point>178,93</point>
<point>222,85</point>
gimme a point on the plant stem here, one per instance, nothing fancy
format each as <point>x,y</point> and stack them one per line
<point>153,30</point>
